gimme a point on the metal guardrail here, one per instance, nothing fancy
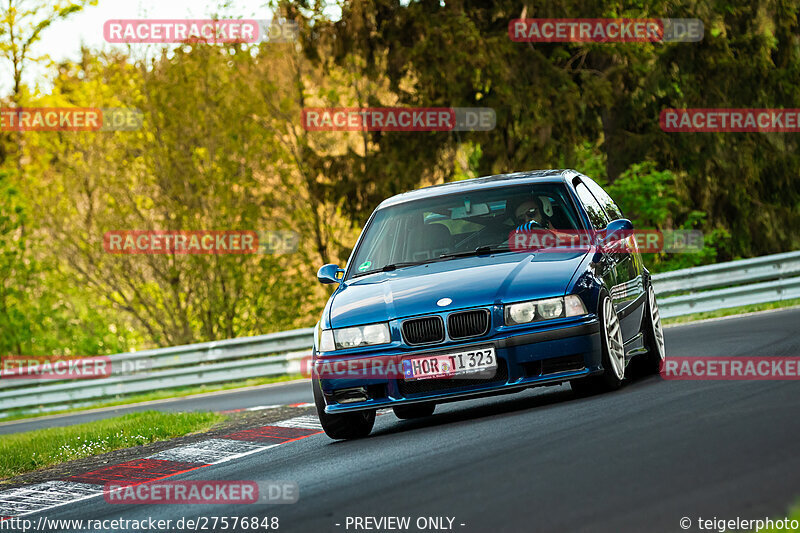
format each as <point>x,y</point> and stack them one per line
<point>205,363</point>
<point>770,278</point>
<point>707,288</point>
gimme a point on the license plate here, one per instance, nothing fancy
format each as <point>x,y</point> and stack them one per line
<point>442,366</point>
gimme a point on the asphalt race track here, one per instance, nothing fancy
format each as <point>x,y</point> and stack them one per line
<point>635,460</point>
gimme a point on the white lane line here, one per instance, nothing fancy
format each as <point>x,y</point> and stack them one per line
<point>211,451</point>
<point>305,422</point>
<point>27,500</point>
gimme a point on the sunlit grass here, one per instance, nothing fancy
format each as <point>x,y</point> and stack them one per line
<point>25,452</point>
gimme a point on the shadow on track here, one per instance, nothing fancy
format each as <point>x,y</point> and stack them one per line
<point>513,403</point>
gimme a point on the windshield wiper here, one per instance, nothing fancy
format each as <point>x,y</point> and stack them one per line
<point>393,266</point>
<point>480,250</point>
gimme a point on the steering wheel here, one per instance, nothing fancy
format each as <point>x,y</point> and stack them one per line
<point>532,226</point>
<point>535,225</point>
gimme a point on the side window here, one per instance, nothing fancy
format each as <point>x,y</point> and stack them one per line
<point>612,209</point>
<point>593,209</point>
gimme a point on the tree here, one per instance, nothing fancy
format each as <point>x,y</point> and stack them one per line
<point>22,23</point>
<point>553,99</point>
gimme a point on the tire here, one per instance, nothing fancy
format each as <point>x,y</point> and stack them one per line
<point>613,354</point>
<point>408,412</point>
<point>653,336</point>
<point>344,426</point>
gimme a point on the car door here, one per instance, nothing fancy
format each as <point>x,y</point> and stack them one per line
<point>630,282</point>
<point>607,263</point>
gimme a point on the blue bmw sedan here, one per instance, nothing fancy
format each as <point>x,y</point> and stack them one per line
<point>438,304</point>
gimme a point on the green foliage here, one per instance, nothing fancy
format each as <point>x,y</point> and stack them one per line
<point>648,196</point>
<point>588,159</point>
<point>650,199</point>
<point>592,106</point>
<point>14,273</point>
<point>175,173</point>
<point>467,161</point>
<point>22,23</point>
<point>42,311</point>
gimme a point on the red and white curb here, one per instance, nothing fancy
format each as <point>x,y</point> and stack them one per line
<point>212,451</point>
<point>265,407</point>
<point>27,500</point>
<point>43,496</point>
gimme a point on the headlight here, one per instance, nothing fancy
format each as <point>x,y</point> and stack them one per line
<point>552,308</point>
<point>368,335</point>
<point>521,313</point>
<point>349,337</point>
<point>535,310</point>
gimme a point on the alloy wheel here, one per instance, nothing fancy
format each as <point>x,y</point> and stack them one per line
<point>655,321</point>
<point>613,334</point>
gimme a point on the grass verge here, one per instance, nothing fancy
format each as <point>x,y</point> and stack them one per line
<point>164,394</point>
<point>732,311</point>
<point>25,452</point>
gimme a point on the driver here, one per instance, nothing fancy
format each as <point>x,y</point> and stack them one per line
<point>529,215</point>
<point>530,218</point>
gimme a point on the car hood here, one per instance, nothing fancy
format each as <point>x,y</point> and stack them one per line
<point>468,282</point>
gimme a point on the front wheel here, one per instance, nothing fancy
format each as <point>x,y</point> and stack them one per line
<point>342,426</point>
<point>613,354</point>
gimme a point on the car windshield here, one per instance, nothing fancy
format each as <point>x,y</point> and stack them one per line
<point>445,227</point>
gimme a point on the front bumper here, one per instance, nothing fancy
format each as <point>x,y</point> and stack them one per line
<point>538,355</point>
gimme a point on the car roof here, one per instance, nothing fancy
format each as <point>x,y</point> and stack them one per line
<point>486,182</point>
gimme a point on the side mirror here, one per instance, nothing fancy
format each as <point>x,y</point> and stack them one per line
<point>617,230</point>
<point>330,274</point>
<point>621,224</point>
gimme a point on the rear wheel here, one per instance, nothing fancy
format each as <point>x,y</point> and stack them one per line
<point>653,335</point>
<point>344,425</point>
<point>613,354</point>
<point>420,410</point>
